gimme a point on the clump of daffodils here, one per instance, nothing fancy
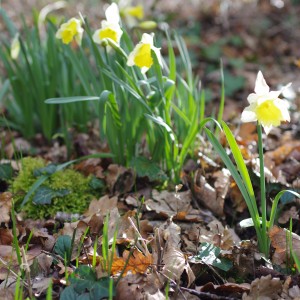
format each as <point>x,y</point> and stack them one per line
<point>69,31</point>
<point>141,55</point>
<point>110,28</point>
<point>265,106</point>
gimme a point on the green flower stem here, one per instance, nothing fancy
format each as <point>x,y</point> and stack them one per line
<point>263,192</point>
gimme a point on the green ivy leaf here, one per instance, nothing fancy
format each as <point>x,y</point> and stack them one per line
<point>48,170</point>
<point>146,168</point>
<point>63,246</point>
<point>209,254</point>
<point>44,195</point>
<point>6,171</point>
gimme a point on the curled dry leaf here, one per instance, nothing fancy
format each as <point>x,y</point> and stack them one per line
<point>5,207</point>
<point>264,288</point>
<point>137,263</point>
<point>175,263</point>
<point>280,241</point>
<point>171,204</point>
<point>213,197</point>
<point>168,252</point>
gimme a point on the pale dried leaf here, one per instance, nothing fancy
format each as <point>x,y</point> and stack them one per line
<point>286,215</point>
<point>102,206</point>
<point>264,288</point>
<point>5,207</point>
<point>171,204</point>
<point>175,264</point>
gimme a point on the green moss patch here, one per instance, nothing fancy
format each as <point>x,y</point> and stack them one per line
<point>64,191</point>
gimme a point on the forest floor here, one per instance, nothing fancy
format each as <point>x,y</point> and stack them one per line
<point>183,240</point>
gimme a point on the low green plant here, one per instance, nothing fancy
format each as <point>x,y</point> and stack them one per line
<point>268,110</point>
<point>65,190</point>
<point>147,105</point>
<point>36,69</point>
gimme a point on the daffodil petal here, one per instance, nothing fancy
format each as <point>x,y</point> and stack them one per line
<point>261,86</point>
<point>249,115</point>
<point>112,14</point>
<point>252,98</point>
<point>283,105</point>
<point>147,39</point>
<point>267,129</point>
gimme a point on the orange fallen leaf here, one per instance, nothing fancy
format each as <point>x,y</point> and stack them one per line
<point>137,263</point>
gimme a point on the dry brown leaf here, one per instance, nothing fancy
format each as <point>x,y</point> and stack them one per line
<point>6,236</point>
<point>119,179</point>
<point>279,155</point>
<point>218,235</point>
<point>264,288</point>
<point>247,133</point>
<point>18,145</point>
<point>137,263</point>
<point>286,215</point>
<point>279,238</point>
<point>91,166</point>
<point>6,294</point>
<point>40,285</point>
<point>175,205</point>
<point>5,206</point>
<point>239,203</point>
<point>212,197</point>
<point>45,261</point>
<point>175,263</point>
<point>137,286</point>
<point>227,289</point>
<point>102,206</point>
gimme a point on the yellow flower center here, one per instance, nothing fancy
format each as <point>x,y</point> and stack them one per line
<point>108,33</point>
<point>136,11</point>
<point>268,113</point>
<point>143,57</point>
<point>69,32</point>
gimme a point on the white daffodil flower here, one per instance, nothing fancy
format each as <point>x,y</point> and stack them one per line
<point>265,106</point>
<point>110,28</point>
<point>141,54</point>
<point>69,31</point>
<point>131,13</point>
<point>15,47</point>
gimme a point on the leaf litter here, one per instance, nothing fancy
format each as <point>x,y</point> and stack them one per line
<point>176,226</point>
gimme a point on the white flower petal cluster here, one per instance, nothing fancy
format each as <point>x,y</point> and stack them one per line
<point>69,31</point>
<point>265,106</point>
<point>141,54</point>
<point>110,28</point>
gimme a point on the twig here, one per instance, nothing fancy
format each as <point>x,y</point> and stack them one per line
<point>8,267</point>
<point>27,271</point>
<point>203,295</point>
<point>139,235</point>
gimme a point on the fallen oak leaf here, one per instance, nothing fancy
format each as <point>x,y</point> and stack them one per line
<point>136,263</point>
